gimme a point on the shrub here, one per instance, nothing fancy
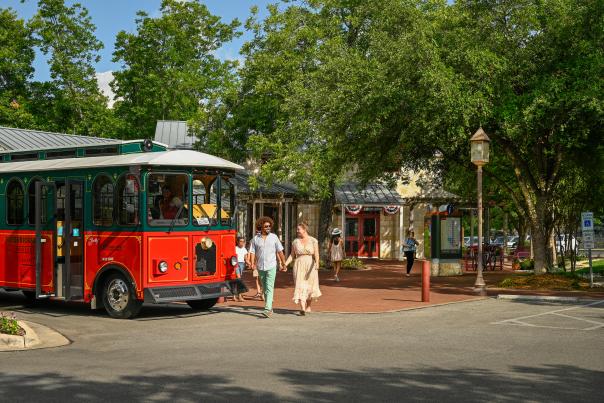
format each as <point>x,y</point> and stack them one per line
<point>9,325</point>
<point>352,264</point>
<point>528,264</point>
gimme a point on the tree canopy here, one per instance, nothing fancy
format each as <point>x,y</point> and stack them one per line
<point>169,66</point>
<point>330,88</point>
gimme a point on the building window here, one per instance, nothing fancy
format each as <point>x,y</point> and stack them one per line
<point>14,203</point>
<point>31,193</point>
<point>102,201</point>
<point>127,200</point>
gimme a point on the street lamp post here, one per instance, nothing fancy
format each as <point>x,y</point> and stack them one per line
<point>479,156</point>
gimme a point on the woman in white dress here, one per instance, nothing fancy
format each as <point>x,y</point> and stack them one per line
<point>305,255</point>
<point>335,251</point>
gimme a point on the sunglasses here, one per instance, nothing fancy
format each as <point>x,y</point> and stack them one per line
<point>267,226</point>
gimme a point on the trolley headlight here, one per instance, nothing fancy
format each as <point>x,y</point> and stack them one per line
<point>233,261</point>
<point>162,267</point>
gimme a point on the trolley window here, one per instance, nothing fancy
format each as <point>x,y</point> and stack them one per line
<point>31,195</point>
<point>14,203</point>
<point>167,199</point>
<point>227,200</point>
<point>205,200</point>
<point>102,201</point>
<point>127,190</point>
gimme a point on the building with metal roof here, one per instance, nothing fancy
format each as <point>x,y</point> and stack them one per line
<point>373,194</point>
<point>24,140</point>
<point>174,133</point>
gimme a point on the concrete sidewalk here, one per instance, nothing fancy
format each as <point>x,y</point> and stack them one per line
<point>385,288</point>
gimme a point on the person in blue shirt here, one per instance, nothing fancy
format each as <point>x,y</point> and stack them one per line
<point>409,247</point>
<point>266,253</point>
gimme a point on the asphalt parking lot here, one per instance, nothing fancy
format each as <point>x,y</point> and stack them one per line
<point>488,350</point>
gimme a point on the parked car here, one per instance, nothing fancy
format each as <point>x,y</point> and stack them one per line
<point>498,241</point>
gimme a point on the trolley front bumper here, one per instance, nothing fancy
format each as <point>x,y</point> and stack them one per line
<point>158,295</point>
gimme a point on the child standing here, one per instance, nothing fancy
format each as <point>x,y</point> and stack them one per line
<point>335,251</point>
<point>242,262</point>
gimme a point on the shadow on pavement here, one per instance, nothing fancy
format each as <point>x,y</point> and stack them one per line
<point>547,383</point>
<point>53,387</point>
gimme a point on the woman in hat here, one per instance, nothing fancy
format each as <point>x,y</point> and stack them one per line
<point>335,251</point>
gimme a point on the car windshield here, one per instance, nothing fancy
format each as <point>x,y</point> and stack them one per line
<point>167,199</point>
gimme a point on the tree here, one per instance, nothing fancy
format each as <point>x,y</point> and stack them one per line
<point>66,33</point>
<point>271,111</point>
<point>169,67</point>
<point>16,57</point>
<point>528,71</point>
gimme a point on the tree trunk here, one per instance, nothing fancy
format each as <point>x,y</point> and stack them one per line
<point>325,216</point>
<point>541,235</point>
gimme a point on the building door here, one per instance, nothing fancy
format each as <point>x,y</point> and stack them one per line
<point>352,236</point>
<point>363,235</point>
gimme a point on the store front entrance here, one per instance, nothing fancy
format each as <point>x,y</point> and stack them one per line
<point>362,234</point>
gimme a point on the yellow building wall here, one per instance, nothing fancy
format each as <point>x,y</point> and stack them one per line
<point>309,213</point>
<point>389,236</point>
<point>413,218</point>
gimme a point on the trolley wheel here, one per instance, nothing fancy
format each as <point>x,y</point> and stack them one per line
<point>202,304</point>
<point>119,297</point>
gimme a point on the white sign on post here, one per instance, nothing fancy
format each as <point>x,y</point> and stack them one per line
<point>588,241</point>
<point>587,221</point>
<point>587,229</point>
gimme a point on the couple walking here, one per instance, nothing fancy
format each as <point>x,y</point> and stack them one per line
<point>266,252</point>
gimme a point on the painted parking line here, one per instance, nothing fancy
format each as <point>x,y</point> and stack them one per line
<point>521,320</point>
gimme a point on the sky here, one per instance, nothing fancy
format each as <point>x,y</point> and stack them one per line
<point>112,16</point>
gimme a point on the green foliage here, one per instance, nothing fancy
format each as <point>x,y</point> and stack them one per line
<point>72,101</point>
<point>528,264</point>
<point>9,324</point>
<point>16,57</point>
<point>388,85</point>
<point>169,67</point>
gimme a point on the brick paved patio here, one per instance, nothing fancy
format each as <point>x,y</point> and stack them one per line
<point>383,288</point>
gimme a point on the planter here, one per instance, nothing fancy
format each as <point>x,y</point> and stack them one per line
<point>10,342</point>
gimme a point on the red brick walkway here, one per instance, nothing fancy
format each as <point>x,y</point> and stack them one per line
<point>381,289</point>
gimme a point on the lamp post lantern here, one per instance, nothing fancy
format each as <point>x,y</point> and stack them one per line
<point>479,156</point>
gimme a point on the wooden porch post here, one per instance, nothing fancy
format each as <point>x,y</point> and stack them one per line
<point>401,232</point>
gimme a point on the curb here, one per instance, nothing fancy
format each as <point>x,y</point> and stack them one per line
<point>549,298</point>
<point>37,337</point>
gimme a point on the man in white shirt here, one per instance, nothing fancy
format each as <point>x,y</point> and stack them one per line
<point>265,250</point>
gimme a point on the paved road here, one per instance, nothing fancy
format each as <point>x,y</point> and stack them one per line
<point>485,350</point>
